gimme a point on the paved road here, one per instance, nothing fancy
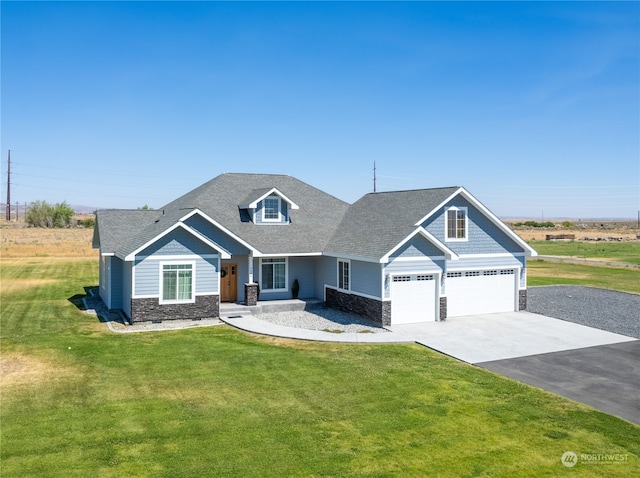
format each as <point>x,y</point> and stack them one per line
<point>606,377</point>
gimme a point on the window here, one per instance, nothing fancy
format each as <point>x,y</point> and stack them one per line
<point>456,224</point>
<point>343,274</point>
<point>271,209</point>
<point>274,274</point>
<point>177,283</point>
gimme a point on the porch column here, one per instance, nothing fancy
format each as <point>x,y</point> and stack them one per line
<point>250,268</point>
<point>250,288</point>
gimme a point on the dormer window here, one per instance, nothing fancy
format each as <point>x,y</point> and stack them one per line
<point>456,224</point>
<point>266,206</point>
<point>271,209</point>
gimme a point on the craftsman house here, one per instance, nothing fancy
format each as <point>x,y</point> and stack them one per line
<point>392,257</point>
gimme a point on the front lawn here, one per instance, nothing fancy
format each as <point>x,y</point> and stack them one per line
<point>78,400</point>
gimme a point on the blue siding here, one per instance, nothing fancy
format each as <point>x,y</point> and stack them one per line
<point>178,242</point>
<point>127,288</point>
<point>418,246</point>
<point>215,235</point>
<point>484,236</point>
<point>147,277</point>
<point>366,278</point>
<point>105,271</point>
<point>117,284</point>
<point>303,269</point>
<point>206,275</point>
<point>326,273</point>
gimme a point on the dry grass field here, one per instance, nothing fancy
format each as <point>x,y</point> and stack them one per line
<point>18,242</point>
<point>627,230</point>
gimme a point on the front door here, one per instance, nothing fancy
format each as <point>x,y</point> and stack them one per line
<point>228,282</point>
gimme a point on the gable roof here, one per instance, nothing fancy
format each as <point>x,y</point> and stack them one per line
<point>378,222</point>
<point>219,200</point>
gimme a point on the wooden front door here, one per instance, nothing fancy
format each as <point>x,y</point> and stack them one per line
<point>228,282</point>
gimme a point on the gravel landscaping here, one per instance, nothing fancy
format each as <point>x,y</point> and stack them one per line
<point>322,318</point>
<point>609,310</point>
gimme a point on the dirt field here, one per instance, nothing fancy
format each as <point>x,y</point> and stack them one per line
<point>583,229</point>
<point>38,242</point>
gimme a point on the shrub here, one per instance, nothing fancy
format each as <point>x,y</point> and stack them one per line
<point>43,214</point>
<point>89,222</point>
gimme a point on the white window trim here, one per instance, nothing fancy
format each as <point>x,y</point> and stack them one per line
<point>161,265</point>
<point>466,225</point>
<point>348,262</point>
<point>264,209</point>
<point>286,276</point>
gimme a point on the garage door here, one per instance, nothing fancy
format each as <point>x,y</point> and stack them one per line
<point>413,298</point>
<point>480,292</point>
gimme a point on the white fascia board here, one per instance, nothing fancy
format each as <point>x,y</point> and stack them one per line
<point>290,254</point>
<point>222,252</point>
<point>253,250</point>
<point>351,257</point>
<point>449,254</point>
<point>107,254</point>
<point>255,202</point>
<point>528,250</point>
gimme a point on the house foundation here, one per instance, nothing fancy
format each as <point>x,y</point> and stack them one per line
<point>205,306</point>
<point>374,310</point>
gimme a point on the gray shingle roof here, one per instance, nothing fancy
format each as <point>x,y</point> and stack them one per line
<point>378,222</point>
<point>371,227</point>
<point>310,228</point>
<point>116,226</point>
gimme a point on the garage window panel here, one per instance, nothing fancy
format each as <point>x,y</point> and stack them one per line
<point>401,278</point>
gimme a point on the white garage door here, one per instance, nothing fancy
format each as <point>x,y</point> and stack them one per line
<point>413,298</point>
<point>480,292</point>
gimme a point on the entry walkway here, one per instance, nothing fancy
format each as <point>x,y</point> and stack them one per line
<point>472,339</point>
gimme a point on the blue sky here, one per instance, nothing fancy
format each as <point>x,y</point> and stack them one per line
<point>534,107</point>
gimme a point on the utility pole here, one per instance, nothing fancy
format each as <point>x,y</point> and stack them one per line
<point>374,176</point>
<point>9,187</point>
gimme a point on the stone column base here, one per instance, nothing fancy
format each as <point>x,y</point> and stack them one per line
<point>251,294</point>
<point>443,308</point>
<point>522,299</point>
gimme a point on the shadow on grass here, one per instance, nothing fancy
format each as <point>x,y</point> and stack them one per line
<point>91,303</point>
<point>79,299</point>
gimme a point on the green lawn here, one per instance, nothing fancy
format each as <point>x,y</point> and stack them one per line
<point>628,252</point>
<point>218,402</point>
<point>541,272</point>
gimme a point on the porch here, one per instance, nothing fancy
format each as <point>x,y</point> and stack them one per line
<point>230,309</point>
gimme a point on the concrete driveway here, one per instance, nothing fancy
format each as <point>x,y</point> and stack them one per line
<point>605,377</point>
<point>490,337</point>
